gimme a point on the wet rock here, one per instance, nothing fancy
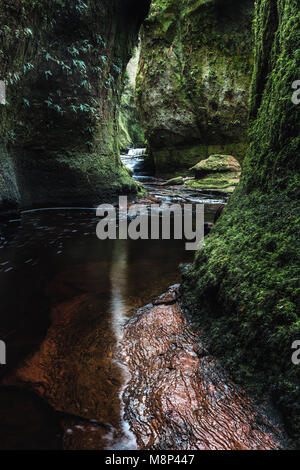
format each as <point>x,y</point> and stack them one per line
<point>220,172</point>
<point>147,200</point>
<point>169,297</point>
<point>179,397</point>
<point>193,82</point>
<point>174,181</point>
<point>91,435</point>
<point>207,227</point>
<point>216,163</point>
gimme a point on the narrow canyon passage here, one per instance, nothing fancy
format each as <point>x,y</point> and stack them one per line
<point>191,110</point>
<point>78,360</point>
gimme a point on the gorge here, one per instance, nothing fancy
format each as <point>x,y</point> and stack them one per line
<point>101,353</point>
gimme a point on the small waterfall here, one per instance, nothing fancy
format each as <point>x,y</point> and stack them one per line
<point>136,152</point>
<point>135,161</point>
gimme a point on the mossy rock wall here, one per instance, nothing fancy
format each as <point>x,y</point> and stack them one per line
<point>64,64</point>
<point>131,133</point>
<point>194,78</point>
<point>9,192</point>
<point>244,284</point>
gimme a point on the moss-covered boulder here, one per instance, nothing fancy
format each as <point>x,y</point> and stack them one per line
<point>244,284</point>
<point>225,182</point>
<point>193,80</point>
<point>218,172</point>
<point>178,180</point>
<point>216,163</point>
<point>64,65</point>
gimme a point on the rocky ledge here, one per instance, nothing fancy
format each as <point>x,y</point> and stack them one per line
<point>179,397</point>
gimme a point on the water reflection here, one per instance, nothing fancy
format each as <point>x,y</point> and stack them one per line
<point>119,280</point>
<point>119,312</point>
<point>62,309</point>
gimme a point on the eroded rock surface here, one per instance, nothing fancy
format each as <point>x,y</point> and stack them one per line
<point>179,397</point>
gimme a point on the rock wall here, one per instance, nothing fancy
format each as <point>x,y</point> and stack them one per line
<point>244,284</point>
<point>9,192</point>
<point>131,133</point>
<point>194,78</point>
<point>64,64</point>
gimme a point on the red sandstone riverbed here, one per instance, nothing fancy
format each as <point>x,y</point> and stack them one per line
<point>80,302</point>
<point>178,396</point>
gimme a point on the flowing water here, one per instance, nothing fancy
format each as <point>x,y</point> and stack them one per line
<point>65,296</point>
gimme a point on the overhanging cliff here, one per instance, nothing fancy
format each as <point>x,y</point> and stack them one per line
<point>64,64</point>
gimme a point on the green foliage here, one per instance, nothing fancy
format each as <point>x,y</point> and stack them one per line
<point>64,64</point>
<point>71,53</point>
<point>130,130</point>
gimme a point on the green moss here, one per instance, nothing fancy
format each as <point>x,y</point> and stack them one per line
<point>244,284</point>
<point>216,163</point>
<point>9,193</point>
<point>176,180</point>
<point>130,133</point>
<point>219,180</point>
<point>64,64</point>
<point>169,160</point>
<point>192,86</point>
